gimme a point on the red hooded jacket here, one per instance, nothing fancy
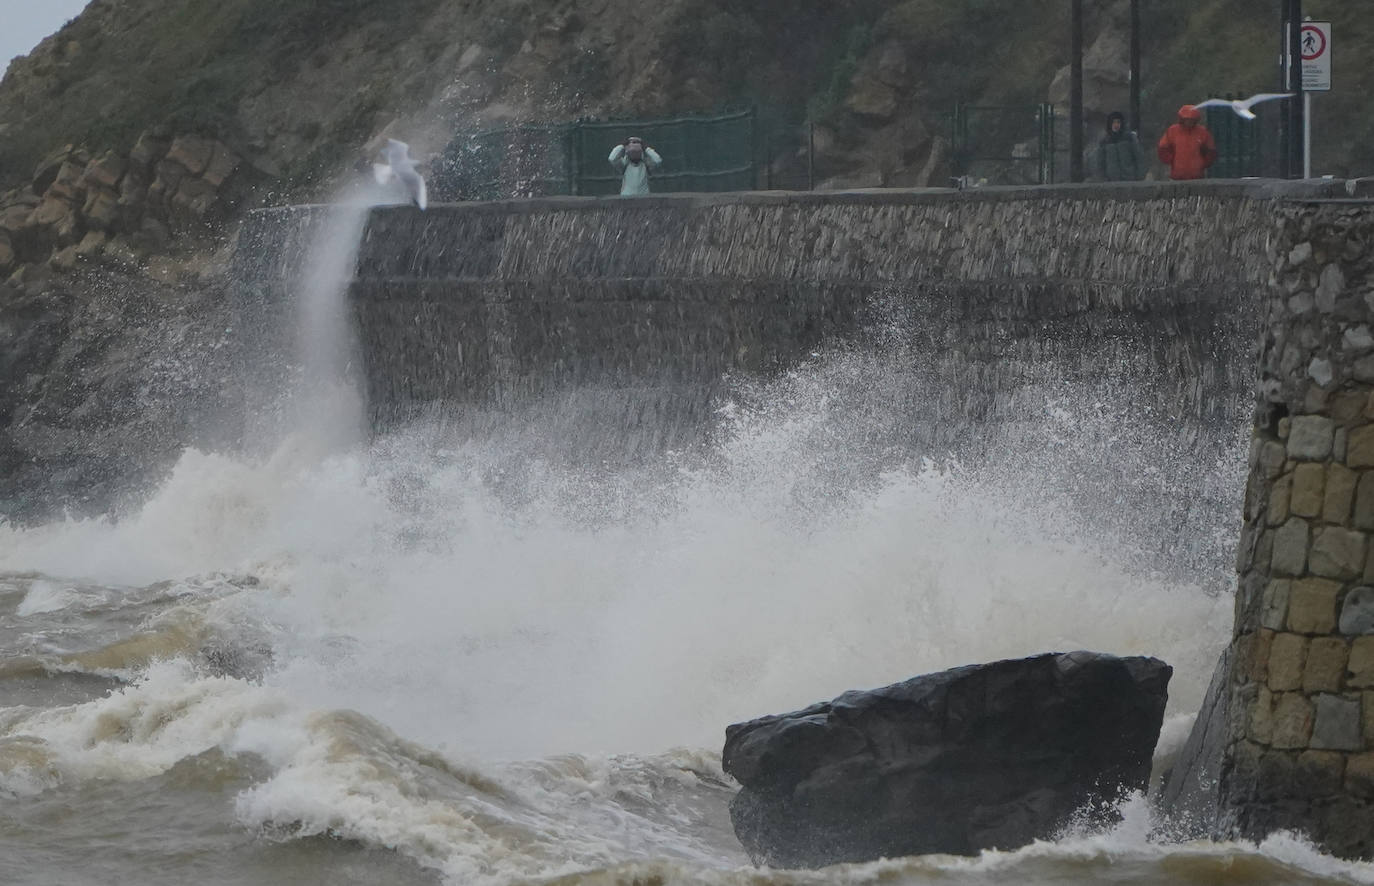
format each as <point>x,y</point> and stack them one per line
<point>1187,151</point>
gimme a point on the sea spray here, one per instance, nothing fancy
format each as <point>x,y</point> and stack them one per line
<point>478,655</point>
<point>516,608</point>
<point>326,412</point>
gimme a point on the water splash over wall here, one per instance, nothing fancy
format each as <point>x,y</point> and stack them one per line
<point>301,356</point>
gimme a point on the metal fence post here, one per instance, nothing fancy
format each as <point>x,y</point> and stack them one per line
<point>810,155</point>
<point>1135,67</point>
<point>1040,146</point>
<point>570,164</point>
<point>754,144</point>
<point>1054,144</point>
<point>1076,92</point>
<point>956,146</point>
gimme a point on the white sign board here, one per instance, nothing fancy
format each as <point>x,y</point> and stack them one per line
<point>1315,43</point>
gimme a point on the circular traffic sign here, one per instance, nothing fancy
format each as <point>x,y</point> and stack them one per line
<point>1313,43</point>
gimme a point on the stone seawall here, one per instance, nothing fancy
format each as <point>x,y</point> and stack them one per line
<point>1299,707</point>
<point>504,302</point>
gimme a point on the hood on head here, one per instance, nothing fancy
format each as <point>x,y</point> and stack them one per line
<point>1188,112</point>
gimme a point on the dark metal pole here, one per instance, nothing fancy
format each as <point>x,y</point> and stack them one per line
<point>1282,86</point>
<point>810,155</point>
<point>1294,111</point>
<point>755,145</point>
<point>1135,65</point>
<point>1295,86</point>
<point>1076,93</point>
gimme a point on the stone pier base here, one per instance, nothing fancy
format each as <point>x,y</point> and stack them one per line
<point>1300,722</point>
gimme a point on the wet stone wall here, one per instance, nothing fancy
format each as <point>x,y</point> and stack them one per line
<point>1300,742</point>
<point>656,299</point>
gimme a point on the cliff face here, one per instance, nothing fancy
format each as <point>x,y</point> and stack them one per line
<point>299,89</point>
<point>295,87</point>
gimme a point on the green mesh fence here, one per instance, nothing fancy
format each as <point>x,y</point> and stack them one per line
<point>1003,145</point>
<point>700,153</point>
<point>1239,143</point>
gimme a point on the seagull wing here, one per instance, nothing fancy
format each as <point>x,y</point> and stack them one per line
<point>1215,103</point>
<point>1263,97</point>
<point>396,152</point>
<point>382,172</point>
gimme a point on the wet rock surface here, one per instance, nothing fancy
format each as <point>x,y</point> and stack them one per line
<point>985,756</point>
<point>107,377</point>
<point>1296,716</point>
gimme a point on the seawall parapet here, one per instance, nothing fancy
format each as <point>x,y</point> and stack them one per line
<point>493,303</point>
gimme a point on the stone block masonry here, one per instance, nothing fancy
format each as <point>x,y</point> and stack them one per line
<point>654,301</point>
<point>1301,716</point>
<point>483,303</point>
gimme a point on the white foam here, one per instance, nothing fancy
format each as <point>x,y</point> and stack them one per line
<point>141,730</point>
<point>636,618</point>
<point>1173,734</point>
<point>45,596</point>
<point>355,779</point>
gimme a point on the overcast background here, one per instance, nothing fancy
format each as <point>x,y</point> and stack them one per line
<point>23,23</point>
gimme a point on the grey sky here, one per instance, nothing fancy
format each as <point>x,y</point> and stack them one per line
<point>23,23</point>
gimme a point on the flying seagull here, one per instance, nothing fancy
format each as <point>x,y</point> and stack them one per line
<point>398,163</point>
<point>1243,106</point>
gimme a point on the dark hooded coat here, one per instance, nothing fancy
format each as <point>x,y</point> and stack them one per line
<point>1119,157</point>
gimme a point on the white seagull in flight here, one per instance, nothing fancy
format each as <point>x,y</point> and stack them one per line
<point>1243,106</point>
<point>398,164</point>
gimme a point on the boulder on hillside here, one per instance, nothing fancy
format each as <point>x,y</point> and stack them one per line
<point>146,151</point>
<point>985,756</point>
<point>192,153</point>
<point>46,171</point>
<point>105,171</point>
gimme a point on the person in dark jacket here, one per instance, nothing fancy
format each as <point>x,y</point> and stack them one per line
<point>1187,148</point>
<point>1119,157</point>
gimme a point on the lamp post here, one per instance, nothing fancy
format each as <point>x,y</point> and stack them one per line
<point>1135,65</point>
<point>1293,157</point>
<point>1076,93</point>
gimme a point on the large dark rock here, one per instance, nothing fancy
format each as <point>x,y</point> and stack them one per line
<point>984,756</point>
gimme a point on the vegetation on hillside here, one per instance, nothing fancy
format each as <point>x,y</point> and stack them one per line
<point>295,85</point>
<point>183,66</point>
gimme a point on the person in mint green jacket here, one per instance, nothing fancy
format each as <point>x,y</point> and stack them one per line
<point>634,159</point>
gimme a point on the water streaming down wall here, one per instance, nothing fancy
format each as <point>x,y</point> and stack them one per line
<point>503,302</point>
<point>656,299</point>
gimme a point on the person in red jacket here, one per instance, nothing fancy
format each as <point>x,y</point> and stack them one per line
<point>1187,148</point>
